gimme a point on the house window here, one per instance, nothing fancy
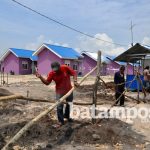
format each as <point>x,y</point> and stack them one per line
<point>67,62</point>
<point>25,65</point>
<point>75,67</point>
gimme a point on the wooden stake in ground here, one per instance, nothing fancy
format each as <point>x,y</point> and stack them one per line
<point>96,86</point>
<point>37,118</point>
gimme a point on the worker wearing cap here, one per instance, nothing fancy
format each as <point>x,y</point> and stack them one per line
<point>60,74</point>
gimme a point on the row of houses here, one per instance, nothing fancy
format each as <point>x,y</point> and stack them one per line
<point>22,61</point>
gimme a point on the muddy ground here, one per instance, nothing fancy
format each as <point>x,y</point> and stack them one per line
<point>106,134</point>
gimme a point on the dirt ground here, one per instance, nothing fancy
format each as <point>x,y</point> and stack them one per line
<point>106,134</point>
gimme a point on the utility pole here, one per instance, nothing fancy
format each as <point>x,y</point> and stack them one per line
<point>131,28</point>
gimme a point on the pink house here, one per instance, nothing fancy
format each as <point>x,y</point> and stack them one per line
<point>18,61</point>
<point>48,53</point>
<point>89,61</point>
<point>109,66</point>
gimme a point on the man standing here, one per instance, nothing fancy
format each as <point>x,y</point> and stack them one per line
<point>60,74</point>
<point>146,74</point>
<point>119,81</point>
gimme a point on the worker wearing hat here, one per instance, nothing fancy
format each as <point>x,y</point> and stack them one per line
<point>60,74</point>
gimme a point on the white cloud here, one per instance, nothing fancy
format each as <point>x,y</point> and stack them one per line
<point>93,45</point>
<point>146,41</point>
<point>34,45</point>
<point>42,39</point>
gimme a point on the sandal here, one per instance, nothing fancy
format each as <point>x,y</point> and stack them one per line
<point>58,125</point>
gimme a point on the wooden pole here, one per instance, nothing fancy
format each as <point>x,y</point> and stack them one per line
<point>143,88</point>
<point>138,87</point>
<point>96,85</point>
<point>7,79</point>
<point>3,77</point>
<point>45,112</point>
<point>11,97</point>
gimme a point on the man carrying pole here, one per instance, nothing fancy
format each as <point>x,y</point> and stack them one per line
<point>60,74</point>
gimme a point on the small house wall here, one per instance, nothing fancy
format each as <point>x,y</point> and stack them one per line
<point>72,63</point>
<point>11,63</point>
<point>88,64</point>
<point>25,71</point>
<point>112,67</point>
<point>45,58</point>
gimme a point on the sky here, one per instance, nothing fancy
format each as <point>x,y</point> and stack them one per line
<point>108,20</point>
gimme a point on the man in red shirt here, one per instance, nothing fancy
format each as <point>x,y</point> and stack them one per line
<point>60,74</point>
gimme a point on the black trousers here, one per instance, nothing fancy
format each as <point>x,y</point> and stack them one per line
<point>60,113</point>
<point>122,98</point>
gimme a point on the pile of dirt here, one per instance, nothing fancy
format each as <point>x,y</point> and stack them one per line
<point>86,91</point>
<point>109,132</point>
<point>110,85</point>
<point>2,142</point>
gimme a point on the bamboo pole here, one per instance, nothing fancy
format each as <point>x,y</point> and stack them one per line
<point>11,97</point>
<point>37,118</point>
<point>20,97</point>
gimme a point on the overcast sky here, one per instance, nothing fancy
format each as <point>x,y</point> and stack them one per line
<point>105,19</point>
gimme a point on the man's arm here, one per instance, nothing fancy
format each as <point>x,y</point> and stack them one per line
<point>116,78</point>
<point>45,81</point>
<point>148,74</point>
<point>74,74</point>
<point>75,80</point>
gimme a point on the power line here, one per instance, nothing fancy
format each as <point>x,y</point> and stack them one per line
<point>62,24</point>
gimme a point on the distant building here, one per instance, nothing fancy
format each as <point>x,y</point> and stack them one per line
<point>146,61</point>
<point>48,53</point>
<point>18,61</point>
<point>138,55</point>
<point>108,65</point>
<point>89,61</point>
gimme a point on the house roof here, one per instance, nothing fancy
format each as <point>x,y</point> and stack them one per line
<point>20,53</point>
<point>133,54</point>
<point>93,55</point>
<point>119,63</point>
<point>60,51</point>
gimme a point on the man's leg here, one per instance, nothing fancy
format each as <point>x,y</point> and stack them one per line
<point>60,110</point>
<point>122,100</point>
<point>67,109</point>
<point>117,95</point>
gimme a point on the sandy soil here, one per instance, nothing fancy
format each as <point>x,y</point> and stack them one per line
<point>106,134</point>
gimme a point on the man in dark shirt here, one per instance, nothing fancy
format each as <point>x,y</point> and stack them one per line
<point>60,74</point>
<point>119,81</point>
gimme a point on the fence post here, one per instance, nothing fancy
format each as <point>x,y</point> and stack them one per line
<point>95,88</point>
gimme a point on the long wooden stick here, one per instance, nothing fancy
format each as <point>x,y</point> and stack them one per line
<point>37,118</point>
<point>96,84</point>
<point>11,97</point>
